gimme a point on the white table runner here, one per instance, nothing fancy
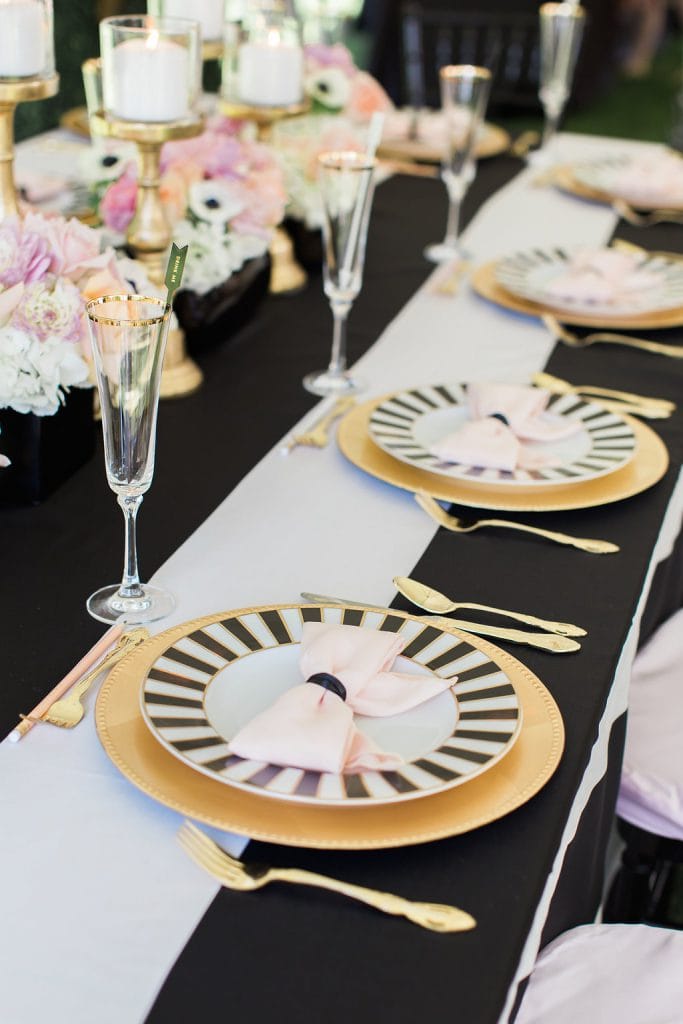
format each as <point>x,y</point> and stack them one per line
<point>98,900</point>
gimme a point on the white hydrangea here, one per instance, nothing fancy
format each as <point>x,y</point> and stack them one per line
<point>35,374</point>
<point>212,256</point>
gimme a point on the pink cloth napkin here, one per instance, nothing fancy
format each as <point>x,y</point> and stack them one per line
<point>651,181</point>
<point>312,727</point>
<point>601,276</point>
<point>486,441</point>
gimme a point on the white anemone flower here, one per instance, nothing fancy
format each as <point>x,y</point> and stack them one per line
<point>106,162</point>
<point>329,87</point>
<point>216,202</point>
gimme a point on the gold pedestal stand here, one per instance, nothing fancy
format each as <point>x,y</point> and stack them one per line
<point>149,234</point>
<point>286,274</point>
<point>13,92</point>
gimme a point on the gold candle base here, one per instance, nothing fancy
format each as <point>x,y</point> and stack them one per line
<point>149,234</point>
<point>12,92</point>
<point>286,275</point>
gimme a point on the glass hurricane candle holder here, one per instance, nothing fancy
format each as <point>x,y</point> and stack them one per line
<point>128,334</point>
<point>26,39</point>
<point>209,14</point>
<point>270,62</point>
<point>151,68</point>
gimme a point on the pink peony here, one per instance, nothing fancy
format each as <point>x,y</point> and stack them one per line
<point>24,255</point>
<point>367,97</point>
<point>216,154</point>
<point>118,202</point>
<point>265,199</point>
<point>50,308</point>
<point>317,56</point>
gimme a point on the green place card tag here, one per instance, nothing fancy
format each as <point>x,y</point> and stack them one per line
<point>174,270</point>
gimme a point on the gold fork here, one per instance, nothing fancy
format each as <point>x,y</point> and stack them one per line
<point>574,341</point>
<point>68,711</point>
<point>614,401</point>
<point>318,435</point>
<point>646,220</point>
<point>235,874</point>
<point>443,518</point>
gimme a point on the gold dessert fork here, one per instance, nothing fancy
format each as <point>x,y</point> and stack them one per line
<point>235,874</point>
<point>318,435</point>
<point>574,341</point>
<point>613,401</point>
<point>68,711</point>
<point>445,519</point>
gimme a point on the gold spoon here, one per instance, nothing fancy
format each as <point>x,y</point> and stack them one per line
<point>437,603</point>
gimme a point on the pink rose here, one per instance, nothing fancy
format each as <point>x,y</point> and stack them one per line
<point>367,97</point>
<point>118,202</point>
<point>74,247</point>
<point>216,154</point>
<point>265,208</point>
<point>24,255</point>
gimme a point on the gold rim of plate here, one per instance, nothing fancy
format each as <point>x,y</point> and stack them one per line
<point>563,178</point>
<point>494,141</point>
<point>524,770</point>
<point>648,466</point>
<point>484,282</point>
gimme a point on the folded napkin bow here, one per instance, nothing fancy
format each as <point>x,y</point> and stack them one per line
<point>606,276</point>
<point>502,417</point>
<point>312,726</point>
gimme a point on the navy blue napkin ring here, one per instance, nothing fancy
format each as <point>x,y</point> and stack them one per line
<point>328,682</point>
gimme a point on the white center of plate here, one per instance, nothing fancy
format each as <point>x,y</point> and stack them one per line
<point>434,426</point>
<point>252,683</point>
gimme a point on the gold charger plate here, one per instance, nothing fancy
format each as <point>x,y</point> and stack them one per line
<point>494,140</point>
<point>506,786</point>
<point>649,465</point>
<point>484,282</point>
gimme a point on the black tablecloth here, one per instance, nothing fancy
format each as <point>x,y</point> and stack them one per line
<point>306,955</point>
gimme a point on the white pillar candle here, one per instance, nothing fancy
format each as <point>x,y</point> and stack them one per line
<point>270,74</point>
<point>209,14</point>
<point>149,80</point>
<point>22,39</point>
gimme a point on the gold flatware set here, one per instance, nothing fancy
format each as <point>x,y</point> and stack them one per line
<point>608,337</point>
<point>616,401</point>
<point>318,435</point>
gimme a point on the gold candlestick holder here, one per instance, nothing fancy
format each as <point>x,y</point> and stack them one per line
<point>12,92</point>
<point>287,275</point>
<point>149,233</point>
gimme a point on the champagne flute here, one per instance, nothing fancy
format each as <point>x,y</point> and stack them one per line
<point>561,26</point>
<point>464,94</point>
<point>346,186</point>
<point>128,334</point>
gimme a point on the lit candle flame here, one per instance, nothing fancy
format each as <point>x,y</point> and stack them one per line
<point>152,41</point>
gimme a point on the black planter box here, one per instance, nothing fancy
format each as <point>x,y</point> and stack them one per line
<point>45,450</point>
<point>307,242</point>
<point>213,318</point>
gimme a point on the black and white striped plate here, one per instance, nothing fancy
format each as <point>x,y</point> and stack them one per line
<point>408,423</point>
<point>208,684</point>
<point>528,275</point>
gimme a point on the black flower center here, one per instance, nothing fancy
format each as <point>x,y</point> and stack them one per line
<point>109,161</point>
<point>212,204</point>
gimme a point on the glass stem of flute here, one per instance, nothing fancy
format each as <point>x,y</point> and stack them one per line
<point>552,121</point>
<point>130,584</point>
<point>453,221</point>
<point>340,313</point>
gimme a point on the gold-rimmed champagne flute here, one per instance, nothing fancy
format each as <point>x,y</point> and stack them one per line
<point>464,95</point>
<point>128,334</point>
<point>346,184</point>
<point>561,29</point>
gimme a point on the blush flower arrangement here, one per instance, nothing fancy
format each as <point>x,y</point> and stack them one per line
<point>223,194</point>
<point>335,85</point>
<point>49,268</point>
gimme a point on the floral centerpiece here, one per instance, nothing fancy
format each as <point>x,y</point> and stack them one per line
<point>49,268</point>
<point>343,100</point>
<point>223,194</point>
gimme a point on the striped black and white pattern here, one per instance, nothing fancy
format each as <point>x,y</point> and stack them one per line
<point>173,706</point>
<point>528,274</point>
<point>395,423</point>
